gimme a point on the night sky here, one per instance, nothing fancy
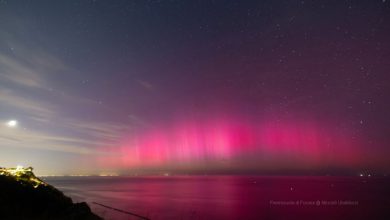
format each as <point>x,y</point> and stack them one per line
<point>125,87</point>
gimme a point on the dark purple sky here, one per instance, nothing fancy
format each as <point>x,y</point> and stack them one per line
<point>195,86</point>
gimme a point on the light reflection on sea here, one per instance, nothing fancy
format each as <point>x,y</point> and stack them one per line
<point>230,197</point>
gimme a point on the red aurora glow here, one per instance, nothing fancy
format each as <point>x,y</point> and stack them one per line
<point>214,140</point>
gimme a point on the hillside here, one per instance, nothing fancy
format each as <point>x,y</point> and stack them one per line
<point>24,196</point>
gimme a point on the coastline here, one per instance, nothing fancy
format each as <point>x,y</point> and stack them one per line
<point>24,196</point>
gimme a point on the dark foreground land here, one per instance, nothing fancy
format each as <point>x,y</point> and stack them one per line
<point>25,197</point>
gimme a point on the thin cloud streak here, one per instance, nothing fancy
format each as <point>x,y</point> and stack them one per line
<point>45,120</point>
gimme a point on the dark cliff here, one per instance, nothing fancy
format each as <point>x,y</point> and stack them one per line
<point>24,196</point>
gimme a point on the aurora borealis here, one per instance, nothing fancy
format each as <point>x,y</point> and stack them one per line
<point>124,87</point>
<point>227,141</point>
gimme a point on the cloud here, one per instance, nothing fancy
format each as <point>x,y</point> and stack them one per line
<point>104,132</point>
<point>27,81</point>
<point>45,125</point>
<point>29,67</point>
<point>145,84</point>
<point>138,121</point>
<point>13,71</point>
<point>24,138</point>
<point>12,100</point>
<point>86,138</point>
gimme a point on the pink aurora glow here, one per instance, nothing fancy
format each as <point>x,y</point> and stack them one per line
<point>305,142</point>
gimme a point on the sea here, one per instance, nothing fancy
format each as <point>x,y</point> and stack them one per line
<point>230,197</point>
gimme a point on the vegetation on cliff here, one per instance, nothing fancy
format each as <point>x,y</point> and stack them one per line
<point>24,196</point>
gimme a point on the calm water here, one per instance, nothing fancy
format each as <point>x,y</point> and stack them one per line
<point>232,197</point>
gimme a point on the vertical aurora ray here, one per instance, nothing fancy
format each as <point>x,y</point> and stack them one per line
<point>272,142</point>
